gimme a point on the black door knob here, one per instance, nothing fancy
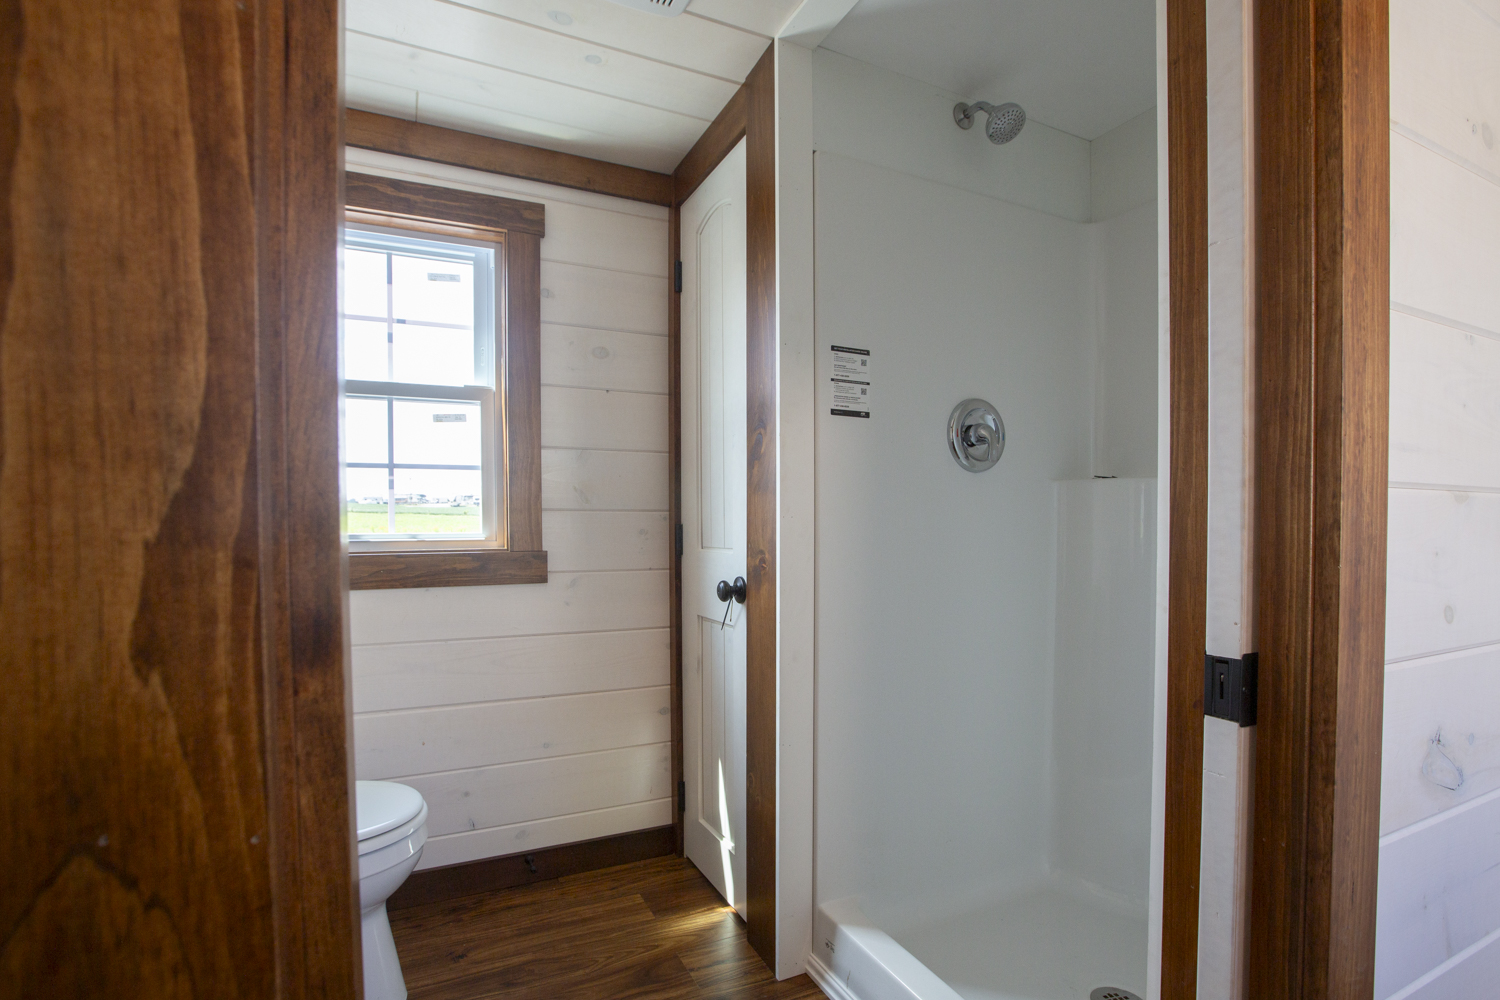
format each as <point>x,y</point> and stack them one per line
<point>726,590</point>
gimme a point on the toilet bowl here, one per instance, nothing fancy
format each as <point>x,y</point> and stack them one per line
<point>392,823</point>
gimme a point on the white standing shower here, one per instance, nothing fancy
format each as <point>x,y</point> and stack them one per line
<point>987,551</point>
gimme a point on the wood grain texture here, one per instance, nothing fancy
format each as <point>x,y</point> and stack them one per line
<point>445,568</point>
<point>314,901</point>
<point>762,454</point>
<point>521,792</point>
<point>176,782</point>
<point>523,392</point>
<point>722,135</point>
<point>652,930</point>
<point>605,601</point>
<point>437,885</point>
<point>430,203</point>
<point>1187,196</point>
<point>1322,268</point>
<point>498,156</point>
<point>604,300</point>
<point>405,675</point>
<point>674,472</point>
<point>392,745</point>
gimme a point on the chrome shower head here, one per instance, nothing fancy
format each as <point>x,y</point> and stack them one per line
<point>1005,120</point>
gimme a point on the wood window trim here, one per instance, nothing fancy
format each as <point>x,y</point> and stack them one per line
<point>368,130</point>
<point>519,226</point>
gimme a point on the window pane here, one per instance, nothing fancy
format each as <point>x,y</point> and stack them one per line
<point>365,430</point>
<point>365,500</point>
<point>365,352</point>
<point>433,356</point>
<point>438,502</point>
<point>409,315</point>
<point>364,283</point>
<point>437,433</point>
<point>432,291</point>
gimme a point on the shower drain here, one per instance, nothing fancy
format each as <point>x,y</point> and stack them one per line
<point>1112,993</point>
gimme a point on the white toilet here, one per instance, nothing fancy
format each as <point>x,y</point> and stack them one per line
<point>392,824</point>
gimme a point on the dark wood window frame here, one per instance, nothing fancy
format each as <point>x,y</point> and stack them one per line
<point>517,228</point>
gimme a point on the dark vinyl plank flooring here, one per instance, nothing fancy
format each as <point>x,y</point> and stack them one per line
<point>653,930</point>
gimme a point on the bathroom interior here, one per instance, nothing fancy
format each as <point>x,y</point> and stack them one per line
<point>566,499</point>
<point>986,690</point>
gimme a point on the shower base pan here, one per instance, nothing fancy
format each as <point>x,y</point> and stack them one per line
<point>1055,941</point>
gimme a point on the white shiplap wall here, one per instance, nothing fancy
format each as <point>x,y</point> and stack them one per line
<point>1439,904</point>
<point>530,716</point>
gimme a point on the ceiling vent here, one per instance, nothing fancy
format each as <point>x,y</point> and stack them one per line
<point>666,8</point>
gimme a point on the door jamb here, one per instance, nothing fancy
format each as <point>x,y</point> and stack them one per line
<point>751,115</point>
<point>1187,558</point>
<point>1323,275</point>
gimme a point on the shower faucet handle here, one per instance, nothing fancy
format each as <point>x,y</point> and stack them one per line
<point>976,435</point>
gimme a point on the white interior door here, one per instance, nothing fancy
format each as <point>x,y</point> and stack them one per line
<point>713,524</point>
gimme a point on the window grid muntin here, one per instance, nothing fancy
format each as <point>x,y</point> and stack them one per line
<point>488,361</point>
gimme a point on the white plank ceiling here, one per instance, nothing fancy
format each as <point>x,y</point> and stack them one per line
<point>1082,66</point>
<point>582,76</point>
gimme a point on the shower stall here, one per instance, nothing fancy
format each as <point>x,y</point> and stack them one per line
<point>988,694</point>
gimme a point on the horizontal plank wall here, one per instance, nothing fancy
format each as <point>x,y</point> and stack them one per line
<point>534,716</point>
<point>1438,916</point>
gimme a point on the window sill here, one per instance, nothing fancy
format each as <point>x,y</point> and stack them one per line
<point>445,568</point>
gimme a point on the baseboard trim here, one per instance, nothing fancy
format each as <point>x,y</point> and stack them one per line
<point>434,885</point>
<point>826,981</point>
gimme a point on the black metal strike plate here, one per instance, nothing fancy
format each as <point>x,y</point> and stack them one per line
<point>677,276</point>
<point>1229,688</point>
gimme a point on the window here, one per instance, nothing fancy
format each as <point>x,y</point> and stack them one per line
<point>440,313</point>
<point>419,369</point>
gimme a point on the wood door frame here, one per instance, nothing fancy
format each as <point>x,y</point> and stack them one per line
<point>1187,464</point>
<point>199,825</point>
<point>1322,270</point>
<point>749,115</point>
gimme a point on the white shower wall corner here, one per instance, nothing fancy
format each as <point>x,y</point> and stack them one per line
<point>985,643</point>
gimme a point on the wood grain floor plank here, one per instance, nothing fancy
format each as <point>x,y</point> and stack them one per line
<point>652,930</point>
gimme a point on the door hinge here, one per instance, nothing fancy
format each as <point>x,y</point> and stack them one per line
<point>679,541</point>
<point>1229,688</point>
<point>682,796</point>
<point>677,276</point>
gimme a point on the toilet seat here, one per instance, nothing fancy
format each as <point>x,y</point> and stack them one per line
<point>381,806</point>
<point>373,844</point>
<point>391,820</point>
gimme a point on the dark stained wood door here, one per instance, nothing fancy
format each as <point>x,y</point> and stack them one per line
<point>174,782</point>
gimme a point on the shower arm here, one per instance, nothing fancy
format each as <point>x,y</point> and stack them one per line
<point>963,114</point>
